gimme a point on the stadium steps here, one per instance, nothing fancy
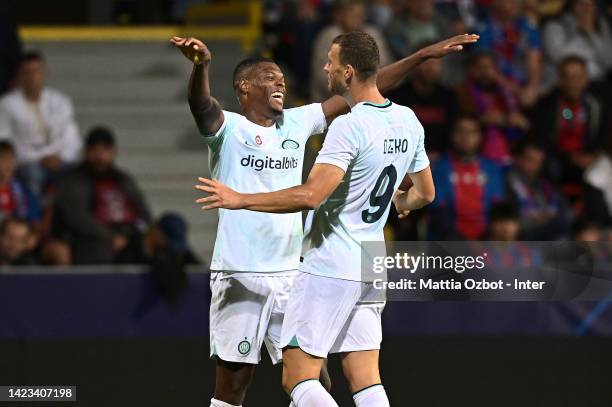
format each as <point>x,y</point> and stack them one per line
<point>139,90</point>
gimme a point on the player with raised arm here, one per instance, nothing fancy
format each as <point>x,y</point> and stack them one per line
<point>256,255</point>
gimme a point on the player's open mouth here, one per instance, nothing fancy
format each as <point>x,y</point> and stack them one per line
<point>278,96</point>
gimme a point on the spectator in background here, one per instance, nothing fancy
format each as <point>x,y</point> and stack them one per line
<point>504,249</point>
<point>100,211</point>
<point>598,189</point>
<point>515,41</point>
<point>583,32</point>
<point>434,104</point>
<point>349,15</point>
<point>380,13</point>
<point>169,235</point>
<point>585,230</point>
<point>39,121</point>
<point>572,123</point>
<point>504,222</point>
<point>417,22</point>
<point>10,55</point>
<point>466,186</point>
<point>486,95</point>
<point>16,200</point>
<point>542,213</point>
<point>15,242</point>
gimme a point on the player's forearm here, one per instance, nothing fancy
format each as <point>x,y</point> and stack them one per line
<point>391,75</point>
<point>412,200</point>
<point>204,108</point>
<point>289,200</point>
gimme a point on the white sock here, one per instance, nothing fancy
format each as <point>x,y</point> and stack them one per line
<point>218,403</point>
<point>310,393</point>
<point>373,396</point>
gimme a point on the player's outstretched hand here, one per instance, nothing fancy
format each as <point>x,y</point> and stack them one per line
<point>221,196</point>
<point>195,50</point>
<point>449,45</point>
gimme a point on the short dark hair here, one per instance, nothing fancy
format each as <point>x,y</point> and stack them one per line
<point>6,147</point>
<point>571,59</point>
<point>359,50</point>
<point>582,224</point>
<point>100,135</point>
<point>526,144</point>
<point>468,117</point>
<point>245,65</point>
<point>502,211</point>
<point>32,56</point>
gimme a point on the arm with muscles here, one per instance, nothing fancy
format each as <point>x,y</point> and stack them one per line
<point>421,193</point>
<point>391,75</point>
<point>322,181</point>
<point>205,109</point>
<point>338,150</point>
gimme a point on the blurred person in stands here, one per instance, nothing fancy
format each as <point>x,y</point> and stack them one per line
<point>585,230</point>
<point>99,210</point>
<point>572,123</point>
<point>10,55</point>
<point>504,223</point>
<point>16,200</point>
<point>417,22</point>
<point>169,235</point>
<point>598,187</point>
<point>542,211</point>
<point>39,121</point>
<point>434,104</point>
<point>515,41</point>
<point>503,249</point>
<point>580,31</point>
<point>467,184</point>
<point>485,94</point>
<point>15,242</point>
<point>349,15</point>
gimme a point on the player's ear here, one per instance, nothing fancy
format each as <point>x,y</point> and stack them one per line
<point>243,86</point>
<point>349,73</point>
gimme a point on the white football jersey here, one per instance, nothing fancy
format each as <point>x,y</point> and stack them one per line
<point>250,158</point>
<point>376,145</point>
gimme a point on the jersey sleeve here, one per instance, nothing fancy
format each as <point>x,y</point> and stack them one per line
<point>309,116</point>
<point>420,161</point>
<point>340,146</point>
<point>215,141</point>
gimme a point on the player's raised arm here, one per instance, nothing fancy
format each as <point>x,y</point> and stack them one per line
<point>391,75</point>
<point>322,181</point>
<point>205,109</point>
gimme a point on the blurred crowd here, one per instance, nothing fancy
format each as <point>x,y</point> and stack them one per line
<point>518,129</point>
<point>64,201</point>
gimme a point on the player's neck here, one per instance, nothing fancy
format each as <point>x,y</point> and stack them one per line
<point>258,118</point>
<point>365,92</point>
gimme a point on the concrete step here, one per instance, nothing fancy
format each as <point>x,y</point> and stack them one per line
<point>125,90</point>
<point>174,117</point>
<point>75,60</point>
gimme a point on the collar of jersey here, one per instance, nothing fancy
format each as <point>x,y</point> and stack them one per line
<point>384,105</point>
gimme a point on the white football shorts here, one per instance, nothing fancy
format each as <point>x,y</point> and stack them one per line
<point>329,315</point>
<point>246,310</point>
